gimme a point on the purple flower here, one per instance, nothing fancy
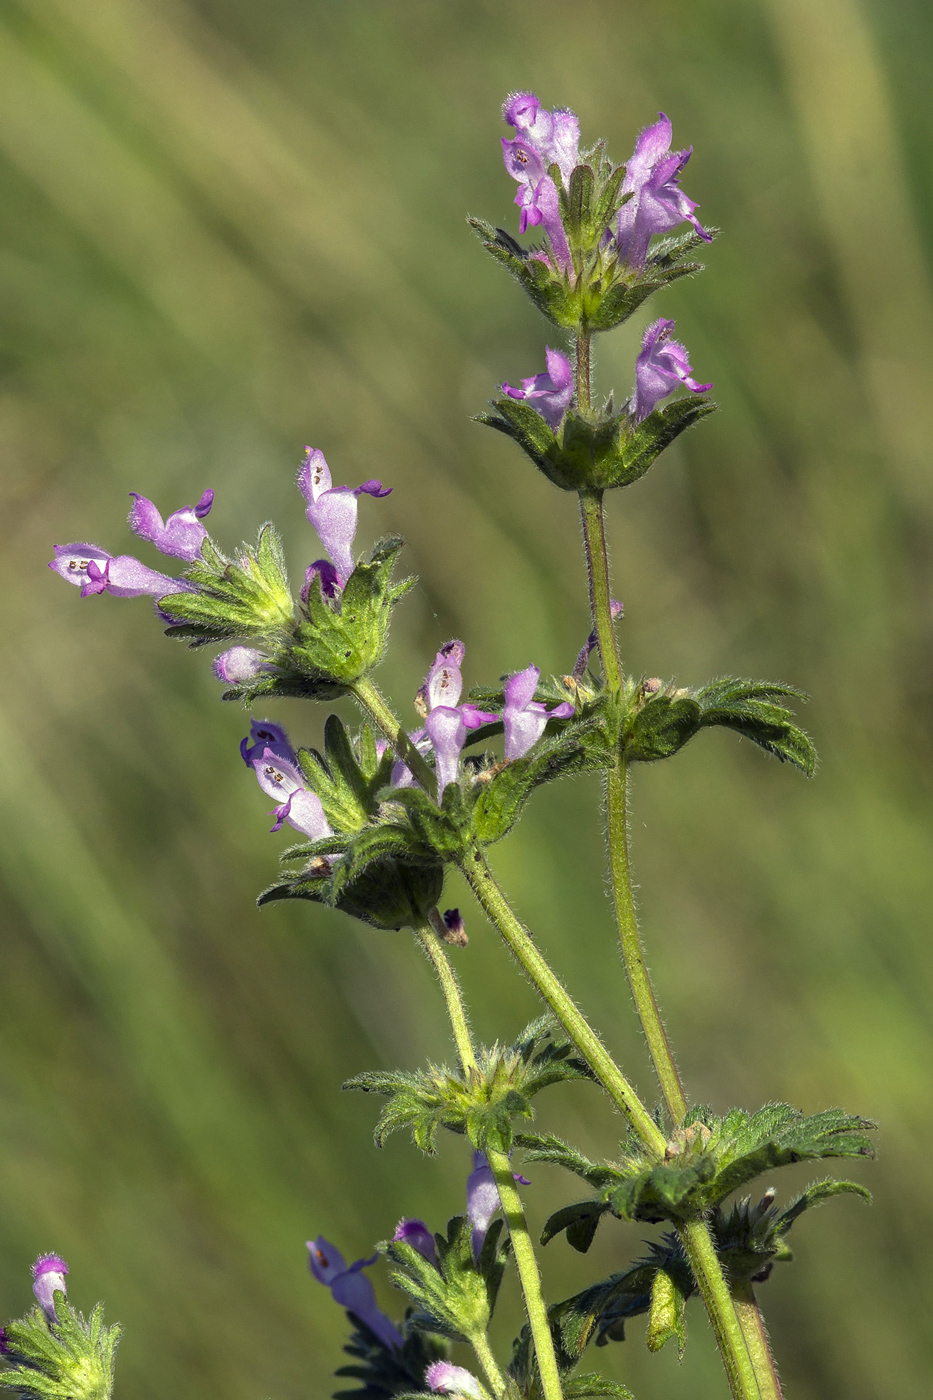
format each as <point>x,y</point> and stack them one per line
<point>658,204</point>
<point>443,683</point>
<point>332,510</point>
<point>48,1274</point>
<point>483,1199</point>
<point>93,570</point>
<point>456,928</point>
<point>660,368</point>
<point>449,1379</point>
<point>297,804</point>
<point>238,665</point>
<point>447,730</point>
<point>417,1234</point>
<point>182,534</point>
<point>616,609</point>
<point>324,571</point>
<point>537,196</point>
<point>523,716</point>
<point>263,734</point>
<point>351,1289</point>
<point>554,136</point>
<point>549,393</point>
<point>402,776</point>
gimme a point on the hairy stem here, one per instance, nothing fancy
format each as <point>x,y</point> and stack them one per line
<point>632,953</point>
<point>460,1026</point>
<point>733,1348</point>
<point>597,567</point>
<point>756,1337</point>
<point>494,1377</point>
<point>372,702</point>
<point>527,1266</point>
<point>525,951</point>
<point>583,371</point>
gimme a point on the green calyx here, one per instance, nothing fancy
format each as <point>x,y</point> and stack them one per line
<point>597,291</point>
<point>705,1162</point>
<point>315,649</point>
<point>71,1359</point>
<point>454,1297</point>
<point>594,452</point>
<point>481,1103</point>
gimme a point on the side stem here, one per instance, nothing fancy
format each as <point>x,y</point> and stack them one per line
<point>526,953</point>
<point>632,953</point>
<point>527,1266</point>
<point>740,1367</point>
<point>372,702</point>
<point>512,1208</point>
<point>597,566</point>
<point>756,1337</point>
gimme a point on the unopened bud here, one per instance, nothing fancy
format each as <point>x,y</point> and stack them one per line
<point>48,1274</point>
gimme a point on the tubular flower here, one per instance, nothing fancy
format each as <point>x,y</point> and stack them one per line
<point>544,138</point>
<point>523,716</point>
<point>549,393</point>
<point>297,804</point>
<point>181,535</point>
<point>93,570</point>
<point>332,510</point>
<point>447,729</point>
<point>661,367</point>
<point>351,1289</point>
<point>417,1234</point>
<point>446,722</point>
<point>657,203</point>
<point>483,1199</point>
<point>448,1379</point>
<point>48,1273</point>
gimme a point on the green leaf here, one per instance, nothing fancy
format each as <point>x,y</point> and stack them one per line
<point>580,1222</point>
<point>666,1316</point>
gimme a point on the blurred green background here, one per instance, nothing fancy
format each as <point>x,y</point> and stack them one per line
<point>229,229</point>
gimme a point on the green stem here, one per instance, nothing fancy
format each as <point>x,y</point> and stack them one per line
<point>597,564</point>
<point>756,1336</point>
<point>523,948</point>
<point>583,371</point>
<point>632,953</point>
<point>378,711</point>
<point>494,1377</point>
<point>456,1010</point>
<point>527,1266</point>
<point>733,1348</point>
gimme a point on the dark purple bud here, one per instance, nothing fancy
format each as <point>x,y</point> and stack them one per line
<point>181,535</point>
<point>332,510</point>
<point>658,204</point>
<point>524,717</point>
<point>550,393</point>
<point>324,570</point>
<point>238,665</point>
<point>456,928</point>
<point>48,1274</point>
<point>445,1378</point>
<point>592,640</point>
<point>264,735</point>
<point>5,1348</point>
<point>662,366</point>
<point>417,1234</point>
<point>351,1289</point>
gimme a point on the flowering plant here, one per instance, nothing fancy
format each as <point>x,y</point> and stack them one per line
<point>386,809</point>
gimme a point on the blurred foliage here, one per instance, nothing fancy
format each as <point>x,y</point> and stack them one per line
<point>227,229</point>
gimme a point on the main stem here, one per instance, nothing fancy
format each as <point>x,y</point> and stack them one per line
<point>527,1266</point>
<point>512,1208</point>
<point>370,699</point>
<point>756,1336</point>
<point>735,1349</point>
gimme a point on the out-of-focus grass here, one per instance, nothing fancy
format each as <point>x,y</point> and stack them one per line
<point>229,229</point>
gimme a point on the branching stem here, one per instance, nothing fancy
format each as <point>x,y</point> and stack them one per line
<point>372,703</point>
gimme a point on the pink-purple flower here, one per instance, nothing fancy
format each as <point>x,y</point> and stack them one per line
<point>417,1234</point>
<point>524,717</point>
<point>351,1289</point>
<point>657,203</point>
<point>275,764</point>
<point>93,570</point>
<point>550,393</point>
<point>48,1273</point>
<point>182,534</point>
<point>543,138</point>
<point>446,722</point>
<point>332,510</point>
<point>445,1378</point>
<point>662,366</point>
